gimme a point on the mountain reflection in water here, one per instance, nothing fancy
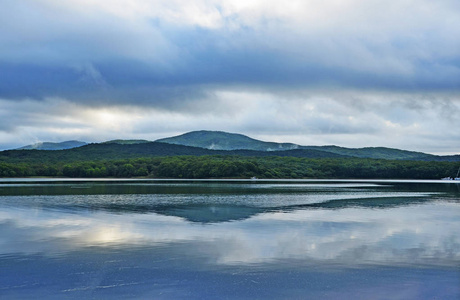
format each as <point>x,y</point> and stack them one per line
<point>230,240</point>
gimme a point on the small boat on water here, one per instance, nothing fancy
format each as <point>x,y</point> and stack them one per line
<point>455,178</point>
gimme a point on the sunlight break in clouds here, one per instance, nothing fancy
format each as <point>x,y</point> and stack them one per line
<point>353,120</point>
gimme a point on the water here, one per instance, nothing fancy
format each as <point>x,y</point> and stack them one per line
<point>150,239</point>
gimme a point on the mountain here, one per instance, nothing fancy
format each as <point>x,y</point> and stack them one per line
<point>53,146</point>
<point>198,143</point>
<point>219,140</point>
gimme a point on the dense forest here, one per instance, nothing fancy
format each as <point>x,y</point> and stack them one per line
<point>232,166</point>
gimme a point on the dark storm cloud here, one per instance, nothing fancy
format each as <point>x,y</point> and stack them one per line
<point>50,50</point>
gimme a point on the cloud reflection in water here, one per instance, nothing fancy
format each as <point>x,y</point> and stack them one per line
<point>350,236</point>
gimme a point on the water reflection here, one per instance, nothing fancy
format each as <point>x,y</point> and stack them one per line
<point>209,203</point>
<point>264,237</point>
<point>345,236</point>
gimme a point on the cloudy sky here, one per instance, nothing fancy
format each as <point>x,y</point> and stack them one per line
<point>352,73</point>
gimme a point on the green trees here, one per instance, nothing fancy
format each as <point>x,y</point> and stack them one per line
<point>218,166</point>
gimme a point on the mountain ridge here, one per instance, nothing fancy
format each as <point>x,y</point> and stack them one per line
<point>218,142</point>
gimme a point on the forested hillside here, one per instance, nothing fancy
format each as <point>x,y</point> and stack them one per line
<point>111,151</point>
<point>162,160</point>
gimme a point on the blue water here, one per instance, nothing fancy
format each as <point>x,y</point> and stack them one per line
<point>148,239</point>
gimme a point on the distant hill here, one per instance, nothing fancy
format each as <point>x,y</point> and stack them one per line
<point>219,140</point>
<point>376,152</point>
<point>75,144</point>
<point>126,142</point>
<point>53,146</point>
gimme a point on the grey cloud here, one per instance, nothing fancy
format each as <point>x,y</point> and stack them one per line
<point>371,70</point>
<point>50,51</point>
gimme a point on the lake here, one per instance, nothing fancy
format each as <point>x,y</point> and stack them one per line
<point>229,239</point>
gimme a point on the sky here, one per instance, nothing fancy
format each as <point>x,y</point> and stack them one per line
<point>352,73</point>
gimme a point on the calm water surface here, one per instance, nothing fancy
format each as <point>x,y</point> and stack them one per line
<point>69,239</point>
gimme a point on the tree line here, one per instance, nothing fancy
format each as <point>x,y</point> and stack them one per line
<point>217,166</point>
